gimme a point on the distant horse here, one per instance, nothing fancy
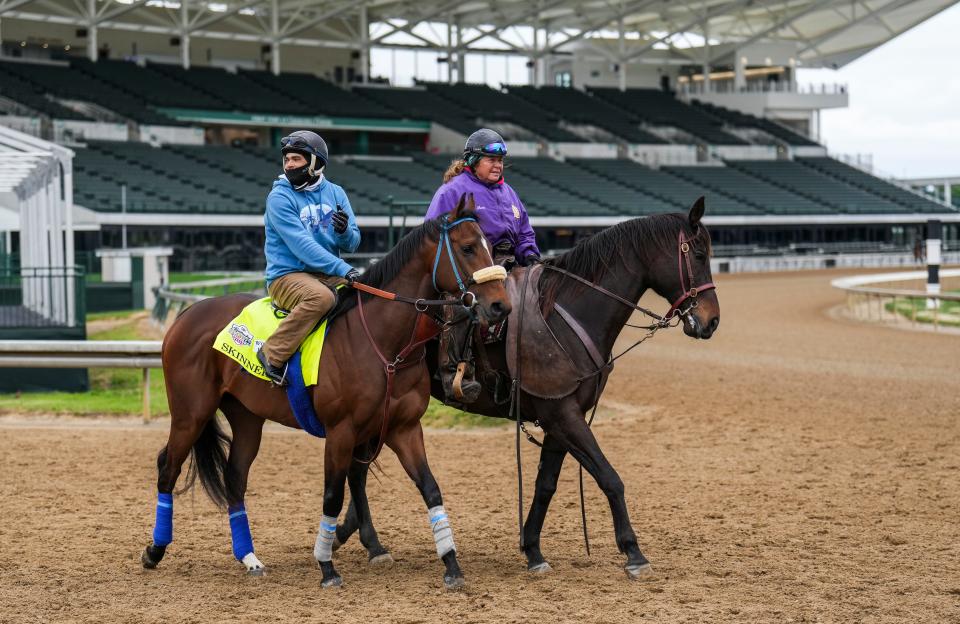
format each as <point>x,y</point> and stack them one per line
<point>360,409</point>
<point>587,295</point>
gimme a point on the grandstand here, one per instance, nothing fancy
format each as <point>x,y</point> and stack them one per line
<point>193,144</point>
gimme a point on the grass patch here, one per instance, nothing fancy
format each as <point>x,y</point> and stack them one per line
<point>442,416</point>
<point>116,391</point>
<point>110,316</point>
<point>916,308</point>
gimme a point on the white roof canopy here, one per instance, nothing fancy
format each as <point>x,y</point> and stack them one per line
<point>828,32</point>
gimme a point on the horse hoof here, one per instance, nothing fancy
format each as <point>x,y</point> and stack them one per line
<point>254,566</point>
<point>152,555</point>
<point>382,560</point>
<point>148,563</point>
<point>637,571</point>
<point>454,583</point>
<point>332,582</point>
<point>257,572</point>
<point>539,568</point>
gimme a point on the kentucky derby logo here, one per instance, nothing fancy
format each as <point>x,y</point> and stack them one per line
<point>315,217</point>
<point>241,335</point>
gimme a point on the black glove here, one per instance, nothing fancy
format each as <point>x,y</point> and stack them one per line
<point>530,259</point>
<point>340,220</point>
<point>352,276</point>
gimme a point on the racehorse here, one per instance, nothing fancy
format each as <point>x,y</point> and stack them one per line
<point>442,255</point>
<point>593,288</point>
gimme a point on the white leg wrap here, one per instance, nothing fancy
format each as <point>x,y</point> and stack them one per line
<point>253,564</point>
<point>323,549</point>
<point>442,533</point>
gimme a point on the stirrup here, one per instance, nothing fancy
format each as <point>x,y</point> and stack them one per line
<point>276,376</point>
<point>465,391</point>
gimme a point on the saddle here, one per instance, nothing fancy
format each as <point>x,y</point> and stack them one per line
<point>546,367</point>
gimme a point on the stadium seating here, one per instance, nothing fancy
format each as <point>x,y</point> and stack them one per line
<point>575,106</point>
<point>747,189</point>
<point>418,103</point>
<point>851,175</point>
<point>819,187</point>
<point>153,87</point>
<point>488,106</point>
<point>319,96</point>
<point>66,82</point>
<point>738,119</point>
<point>670,190</point>
<point>24,93</point>
<point>661,108</point>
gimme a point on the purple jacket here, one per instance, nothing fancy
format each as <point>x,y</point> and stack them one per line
<point>500,212</point>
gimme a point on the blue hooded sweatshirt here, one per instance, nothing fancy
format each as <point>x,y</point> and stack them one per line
<point>299,232</point>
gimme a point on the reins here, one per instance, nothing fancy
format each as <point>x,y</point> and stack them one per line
<point>672,318</point>
<point>467,299</point>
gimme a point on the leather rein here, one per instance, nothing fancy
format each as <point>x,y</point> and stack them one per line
<point>467,299</point>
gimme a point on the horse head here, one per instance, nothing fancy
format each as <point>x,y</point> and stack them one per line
<point>462,263</point>
<point>684,277</point>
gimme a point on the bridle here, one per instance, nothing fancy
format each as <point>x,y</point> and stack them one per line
<point>402,361</point>
<point>689,293</point>
<point>486,274</point>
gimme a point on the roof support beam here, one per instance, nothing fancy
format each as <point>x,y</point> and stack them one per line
<point>598,24</point>
<point>717,10</point>
<point>322,17</point>
<point>782,23</point>
<point>510,22</point>
<point>812,44</point>
<point>12,4</point>
<point>412,23</point>
<point>199,24</point>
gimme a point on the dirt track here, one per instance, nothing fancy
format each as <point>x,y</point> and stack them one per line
<point>793,468</point>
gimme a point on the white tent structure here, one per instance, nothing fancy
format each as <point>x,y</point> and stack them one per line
<point>36,198</point>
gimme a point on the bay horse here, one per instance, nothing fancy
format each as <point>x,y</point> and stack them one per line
<point>439,255</point>
<point>668,253</point>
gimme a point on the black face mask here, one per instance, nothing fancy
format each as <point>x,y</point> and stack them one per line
<point>300,177</point>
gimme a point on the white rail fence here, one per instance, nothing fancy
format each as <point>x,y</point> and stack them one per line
<point>142,354</point>
<point>866,301</point>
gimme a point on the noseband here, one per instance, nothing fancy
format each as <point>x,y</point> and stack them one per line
<point>689,292</point>
<point>486,274</point>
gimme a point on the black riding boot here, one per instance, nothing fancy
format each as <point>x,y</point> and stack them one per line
<point>277,374</point>
<point>456,366</point>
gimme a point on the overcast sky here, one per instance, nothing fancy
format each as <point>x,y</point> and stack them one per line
<point>904,102</point>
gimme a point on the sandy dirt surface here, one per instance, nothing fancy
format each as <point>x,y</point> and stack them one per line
<point>796,467</point>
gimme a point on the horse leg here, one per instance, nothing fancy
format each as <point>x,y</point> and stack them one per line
<point>247,431</point>
<point>571,431</point>
<point>358,514</point>
<point>338,456</point>
<point>552,455</point>
<point>189,422</point>
<point>408,445</point>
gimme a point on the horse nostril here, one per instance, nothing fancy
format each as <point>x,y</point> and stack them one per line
<point>714,323</point>
<point>496,308</point>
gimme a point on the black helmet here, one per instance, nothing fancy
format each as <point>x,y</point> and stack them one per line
<point>307,143</point>
<point>483,142</point>
<point>312,147</point>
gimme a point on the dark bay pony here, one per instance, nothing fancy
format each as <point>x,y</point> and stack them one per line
<point>349,397</point>
<point>668,253</point>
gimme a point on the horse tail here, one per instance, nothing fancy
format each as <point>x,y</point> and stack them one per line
<point>209,461</point>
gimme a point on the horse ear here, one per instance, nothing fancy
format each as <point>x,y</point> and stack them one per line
<point>471,204</point>
<point>696,211</point>
<point>455,213</point>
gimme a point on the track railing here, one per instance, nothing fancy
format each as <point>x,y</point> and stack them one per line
<point>868,302</point>
<point>185,293</point>
<point>142,354</point>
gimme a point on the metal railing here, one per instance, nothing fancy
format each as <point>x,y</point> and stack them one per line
<point>33,297</point>
<point>868,302</point>
<point>181,295</point>
<point>142,354</point>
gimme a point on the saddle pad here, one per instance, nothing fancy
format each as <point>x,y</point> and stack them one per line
<point>300,401</point>
<point>546,369</point>
<point>244,335</point>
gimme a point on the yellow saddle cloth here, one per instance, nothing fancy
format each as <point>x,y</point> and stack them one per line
<point>244,335</point>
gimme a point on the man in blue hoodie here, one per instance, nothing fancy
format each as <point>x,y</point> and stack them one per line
<point>308,222</point>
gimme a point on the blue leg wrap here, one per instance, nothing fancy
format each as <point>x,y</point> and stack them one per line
<point>163,529</point>
<point>240,532</point>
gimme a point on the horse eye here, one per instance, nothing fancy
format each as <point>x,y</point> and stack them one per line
<point>699,255</point>
<point>467,250</point>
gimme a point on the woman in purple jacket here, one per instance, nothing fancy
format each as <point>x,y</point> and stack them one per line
<point>504,222</point>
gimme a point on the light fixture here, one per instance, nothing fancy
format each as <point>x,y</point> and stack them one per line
<point>23,44</point>
<point>768,61</point>
<point>66,48</point>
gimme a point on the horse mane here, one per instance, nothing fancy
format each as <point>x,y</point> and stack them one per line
<point>628,243</point>
<point>386,270</point>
